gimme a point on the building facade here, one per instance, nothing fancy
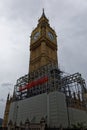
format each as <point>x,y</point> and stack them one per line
<point>45,93</point>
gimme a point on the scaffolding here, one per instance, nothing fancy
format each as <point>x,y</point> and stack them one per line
<point>74,88</point>
<point>49,78</point>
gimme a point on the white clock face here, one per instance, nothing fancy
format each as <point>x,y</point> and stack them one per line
<point>36,35</point>
<point>50,35</point>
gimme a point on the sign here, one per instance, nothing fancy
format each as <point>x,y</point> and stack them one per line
<point>34,83</point>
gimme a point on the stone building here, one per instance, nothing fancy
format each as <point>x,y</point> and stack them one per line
<point>45,95</point>
<point>6,113</point>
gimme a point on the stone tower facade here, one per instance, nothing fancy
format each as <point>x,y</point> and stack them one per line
<point>6,113</point>
<point>43,45</point>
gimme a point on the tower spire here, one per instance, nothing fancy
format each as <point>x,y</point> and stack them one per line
<point>43,14</point>
<point>43,17</point>
<point>8,96</point>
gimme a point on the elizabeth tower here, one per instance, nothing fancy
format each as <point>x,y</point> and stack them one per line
<point>43,45</point>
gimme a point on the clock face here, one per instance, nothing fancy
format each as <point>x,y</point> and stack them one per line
<point>50,35</point>
<point>36,35</point>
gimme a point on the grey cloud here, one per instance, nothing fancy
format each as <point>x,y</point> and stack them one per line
<point>17,19</point>
<point>2,100</point>
<point>6,84</point>
<point>20,10</point>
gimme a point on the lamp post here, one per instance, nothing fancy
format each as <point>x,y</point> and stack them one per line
<point>27,124</point>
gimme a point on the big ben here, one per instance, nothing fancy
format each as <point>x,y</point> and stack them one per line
<point>46,97</point>
<point>43,45</point>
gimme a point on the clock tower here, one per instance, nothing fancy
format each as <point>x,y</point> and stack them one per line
<point>43,45</point>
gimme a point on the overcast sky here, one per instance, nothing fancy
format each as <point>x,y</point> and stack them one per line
<point>17,20</point>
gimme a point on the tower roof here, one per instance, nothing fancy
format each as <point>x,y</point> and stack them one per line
<point>8,96</point>
<point>43,14</point>
<point>43,18</point>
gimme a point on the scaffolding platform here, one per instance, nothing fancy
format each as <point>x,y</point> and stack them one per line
<point>50,78</point>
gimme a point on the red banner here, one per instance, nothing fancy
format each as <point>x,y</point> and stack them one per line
<point>34,83</point>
